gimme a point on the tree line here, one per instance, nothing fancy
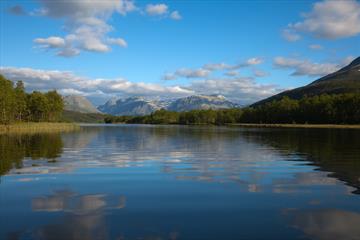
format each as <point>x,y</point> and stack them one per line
<point>14,148</point>
<point>18,106</point>
<point>322,109</point>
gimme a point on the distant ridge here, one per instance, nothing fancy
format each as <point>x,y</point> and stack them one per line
<point>80,104</point>
<point>133,106</point>
<point>201,102</point>
<point>138,106</point>
<point>345,80</point>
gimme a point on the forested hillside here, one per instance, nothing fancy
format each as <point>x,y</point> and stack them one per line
<point>18,106</point>
<point>346,80</point>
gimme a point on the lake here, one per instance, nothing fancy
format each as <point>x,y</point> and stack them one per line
<point>181,182</point>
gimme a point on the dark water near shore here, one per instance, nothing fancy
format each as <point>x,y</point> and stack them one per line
<point>178,182</point>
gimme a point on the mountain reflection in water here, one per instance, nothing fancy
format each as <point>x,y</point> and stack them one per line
<point>179,182</point>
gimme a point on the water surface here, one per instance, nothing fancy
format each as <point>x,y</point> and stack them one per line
<point>179,182</point>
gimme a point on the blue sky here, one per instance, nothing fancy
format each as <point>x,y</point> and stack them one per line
<point>108,48</point>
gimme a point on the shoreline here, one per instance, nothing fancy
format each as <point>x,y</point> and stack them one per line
<point>258,125</point>
<point>288,125</point>
<point>38,127</point>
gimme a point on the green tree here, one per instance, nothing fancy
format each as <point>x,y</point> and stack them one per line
<point>7,101</point>
<point>56,105</point>
<point>20,101</point>
<point>39,106</point>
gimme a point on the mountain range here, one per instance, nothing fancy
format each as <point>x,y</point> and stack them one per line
<point>138,106</point>
<point>76,103</point>
<point>345,80</point>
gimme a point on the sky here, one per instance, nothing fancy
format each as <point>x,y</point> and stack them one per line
<point>243,50</point>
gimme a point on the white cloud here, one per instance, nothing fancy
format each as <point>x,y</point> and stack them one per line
<point>330,20</point>
<point>67,82</point>
<point>175,15</point>
<point>68,51</point>
<point>217,66</point>
<point>190,73</point>
<point>254,61</point>
<point>156,9</point>
<point>50,42</point>
<point>224,66</point>
<point>85,23</point>
<point>232,73</point>
<point>240,89</point>
<point>304,67</point>
<point>243,90</point>
<point>208,68</point>
<point>290,35</point>
<point>118,41</point>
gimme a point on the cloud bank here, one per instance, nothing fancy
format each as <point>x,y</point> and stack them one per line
<point>208,68</point>
<point>243,90</point>
<point>86,24</point>
<point>327,20</point>
<point>305,67</point>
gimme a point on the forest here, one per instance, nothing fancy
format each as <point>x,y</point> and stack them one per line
<point>323,109</point>
<point>18,106</point>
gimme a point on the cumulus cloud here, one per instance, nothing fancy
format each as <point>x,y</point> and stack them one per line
<point>162,10</point>
<point>290,35</point>
<point>50,42</point>
<point>224,66</point>
<point>175,15</point>
<point>118,41</point>
<point>190,73</point>
<point>253,61</point>
<point>218,66</point>
<point>208,68</point>
<point>85,23</point>
<point>67,82</point>
<point>305,67</point>
<point>330,20</point>
<point>156,9</point>
<point>232,73</point>
<point>239,89</point>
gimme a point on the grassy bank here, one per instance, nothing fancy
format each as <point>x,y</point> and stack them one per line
<point>259,125</point>
<point>38,127</point>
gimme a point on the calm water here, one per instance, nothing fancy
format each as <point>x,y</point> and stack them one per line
<point>174,182</point>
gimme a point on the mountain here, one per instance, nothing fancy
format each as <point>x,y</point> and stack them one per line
<point>133,106</point>
<point>346,80</point>
<point>137,106</point>
<point>78,117</point>
<point>77,103</point>
<point>200,102</point>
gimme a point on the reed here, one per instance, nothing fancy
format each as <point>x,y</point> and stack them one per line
<point>41,127</point>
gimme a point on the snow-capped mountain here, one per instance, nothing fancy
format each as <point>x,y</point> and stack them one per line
<point>133,106</point>
<point>201,102</point>
<point>138,106</point>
